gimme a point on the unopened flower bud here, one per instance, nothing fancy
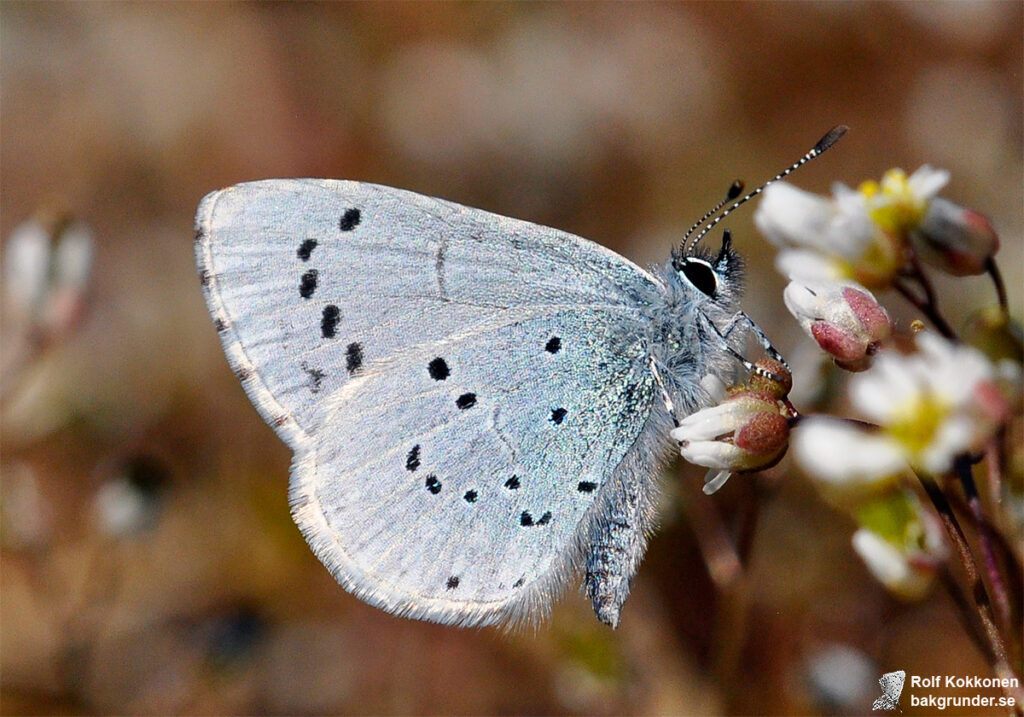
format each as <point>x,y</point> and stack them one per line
<point>845,320</point>
<point>955,239</point>
<point>47,265</point>
<point>748,431</point>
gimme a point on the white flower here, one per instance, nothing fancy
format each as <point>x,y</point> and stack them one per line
<point>844,459</point>
<point>844,318</point>
<point>47,265</point>
<point>857,234</point>
<point>900,542</point>
<point>934,405</point>
<point>931,407</point>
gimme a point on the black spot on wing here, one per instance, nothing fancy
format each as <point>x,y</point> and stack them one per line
<point>466,400</point>
<point>512,483</point>
<point>553,344</point>
<point>470,496</point>
<point>453,582</point>
<point>353,357</point>
<point>349,220</point>
<point>412,461</point>
<point>329,322</point>
<point>433,484</point>
<point>558,415</point>
<point>586,486</point>
<point>307,284</point>
<point>438,369</point>
<point>306,249</point>
<point>545,519</point>
<point>520,582</point>
<point>316,377</point>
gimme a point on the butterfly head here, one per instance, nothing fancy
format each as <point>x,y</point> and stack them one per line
<point>719,278</point>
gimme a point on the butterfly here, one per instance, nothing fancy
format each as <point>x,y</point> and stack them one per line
<point>477,405</point>
<point>892,687</point>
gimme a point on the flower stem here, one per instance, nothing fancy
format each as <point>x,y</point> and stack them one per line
<point>928,305</point>
<point>976,587</point>
<point>962,466</point>
<point>997,278</point>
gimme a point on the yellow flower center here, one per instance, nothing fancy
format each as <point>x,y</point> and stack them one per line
<point>892,204</point>
<point>914,423</point>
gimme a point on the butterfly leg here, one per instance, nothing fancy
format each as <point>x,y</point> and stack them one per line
<point>669,406</point>
<point>742,318</point>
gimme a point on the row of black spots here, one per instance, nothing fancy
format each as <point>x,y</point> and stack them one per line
<point>526,519</point>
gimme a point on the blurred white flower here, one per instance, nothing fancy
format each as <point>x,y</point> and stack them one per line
<point>47,265</point>
<point>845,319</point>
<point>931,406</point>
<point>934,405</point>
<point>900,542</point>
<point>844,460</point>
<point>748,430</point>
<point>857,234</point>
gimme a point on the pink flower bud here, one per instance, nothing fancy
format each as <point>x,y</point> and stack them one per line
<point>747,431</point>
<point>845,320</point>
<point>955,239</point>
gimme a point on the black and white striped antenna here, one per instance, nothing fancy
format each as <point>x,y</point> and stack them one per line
<point>830,138</point>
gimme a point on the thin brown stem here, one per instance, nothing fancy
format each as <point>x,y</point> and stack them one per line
<point>976,587</point>
<point>964,471</point>
<point>926,307</point>
<point>997,278</point>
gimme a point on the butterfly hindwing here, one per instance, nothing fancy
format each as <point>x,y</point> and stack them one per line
<point>457,387</point>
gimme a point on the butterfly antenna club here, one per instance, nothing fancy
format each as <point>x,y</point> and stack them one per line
<point>822,145</point>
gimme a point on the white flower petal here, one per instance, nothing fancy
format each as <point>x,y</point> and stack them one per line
<point>788,216</point>
<point>926,182</point>
<point>715,480</point>
<point>713,454</point>
<point>802,264</point>
<point>836,452</point>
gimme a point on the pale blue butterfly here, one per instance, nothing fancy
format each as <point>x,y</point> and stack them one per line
<point>477,405</point>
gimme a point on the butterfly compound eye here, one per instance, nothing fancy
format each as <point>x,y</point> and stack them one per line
<point>699,273</point>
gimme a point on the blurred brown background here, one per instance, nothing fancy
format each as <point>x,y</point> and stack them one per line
<point>149,562</point>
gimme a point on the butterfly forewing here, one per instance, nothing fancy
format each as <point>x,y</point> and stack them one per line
<point>457,386</point>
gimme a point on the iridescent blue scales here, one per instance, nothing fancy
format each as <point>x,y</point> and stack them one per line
<point>478,406</point>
